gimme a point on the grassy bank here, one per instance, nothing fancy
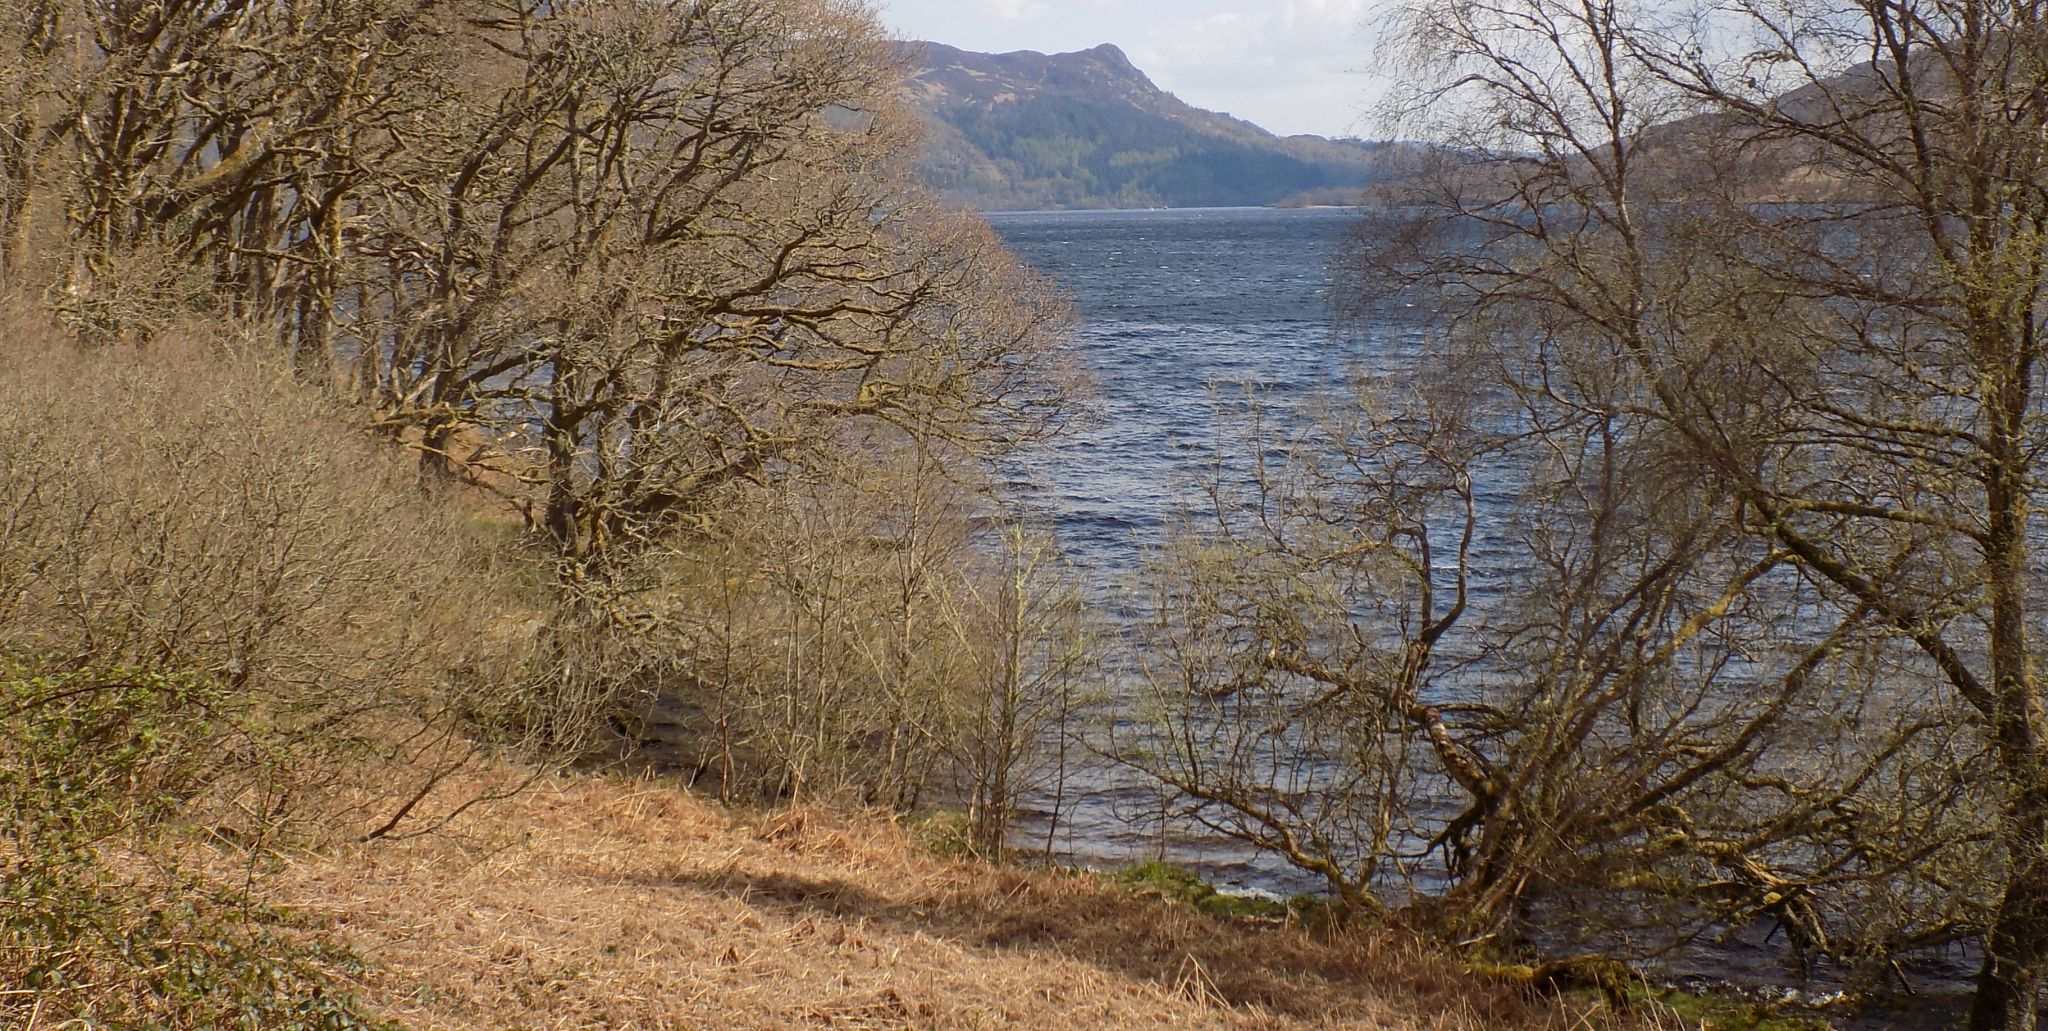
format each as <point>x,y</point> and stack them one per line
<point>590,903</point>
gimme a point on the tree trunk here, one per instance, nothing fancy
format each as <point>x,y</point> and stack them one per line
<point>2016,951</point>
<point>436,467</point>
<point>563,513</point>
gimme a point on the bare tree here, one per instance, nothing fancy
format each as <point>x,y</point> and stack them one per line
<point>618,261</point>
<point>1032,657</point>
<point>227,134</point>
<point>1851,381</point>
<point>647,249</point>
<point>605,256</point>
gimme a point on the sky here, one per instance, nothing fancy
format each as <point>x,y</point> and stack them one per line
<point>1291,66</point>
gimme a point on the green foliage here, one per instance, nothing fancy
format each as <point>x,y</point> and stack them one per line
<point>98,922</point>
<point>1178,885</point>
<point>91,753</point>
<point>1727,1013</point>
<point>944,832</point>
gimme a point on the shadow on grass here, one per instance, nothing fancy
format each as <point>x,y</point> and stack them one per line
<point>1275,968</point>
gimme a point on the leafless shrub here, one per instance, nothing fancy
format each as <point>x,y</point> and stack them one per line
<point>1030,692</point>
<point>194,510</point>
<point>868,637</point>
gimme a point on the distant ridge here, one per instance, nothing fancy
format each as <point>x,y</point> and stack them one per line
<point>1090,130</point>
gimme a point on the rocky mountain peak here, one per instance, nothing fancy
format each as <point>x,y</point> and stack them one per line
<point>1088,129</point>
<point>1113,57</point>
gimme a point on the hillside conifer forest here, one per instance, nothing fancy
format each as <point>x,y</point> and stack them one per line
<point>509,518</point>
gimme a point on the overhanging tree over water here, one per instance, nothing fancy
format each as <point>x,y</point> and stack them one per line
<point>1743,300</point>
<point>1855,380</point>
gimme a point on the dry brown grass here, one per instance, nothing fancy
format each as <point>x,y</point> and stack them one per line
<point>585,904</point>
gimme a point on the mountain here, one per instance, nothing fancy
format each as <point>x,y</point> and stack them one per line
<point>1089,130</point>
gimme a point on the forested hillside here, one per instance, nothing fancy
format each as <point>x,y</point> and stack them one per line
<point>1089,130</point>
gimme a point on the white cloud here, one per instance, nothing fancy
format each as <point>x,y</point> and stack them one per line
<point>1289,65</point>
<point>1016,10</point>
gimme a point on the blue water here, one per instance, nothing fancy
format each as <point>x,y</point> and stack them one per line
<point>1180,312</point>
<point>1175,306</point>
